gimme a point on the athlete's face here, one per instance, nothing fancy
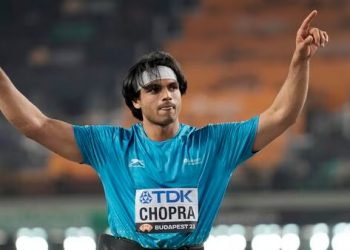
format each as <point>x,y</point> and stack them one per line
<point>160,102</point>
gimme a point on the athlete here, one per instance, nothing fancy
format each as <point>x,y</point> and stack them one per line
<point>164,180</point>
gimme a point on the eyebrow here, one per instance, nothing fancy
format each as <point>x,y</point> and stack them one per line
<point>157,82</point>
<point>152,84</point>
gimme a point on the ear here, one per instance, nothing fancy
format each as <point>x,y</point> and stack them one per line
<point>136,103</point>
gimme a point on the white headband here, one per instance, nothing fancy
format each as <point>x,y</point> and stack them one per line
<point>157,73</point>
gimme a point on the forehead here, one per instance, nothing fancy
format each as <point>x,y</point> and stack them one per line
<point>162,82</point>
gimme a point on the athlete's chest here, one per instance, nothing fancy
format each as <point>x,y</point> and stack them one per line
<point>166,165</point>
<point>166,179</point>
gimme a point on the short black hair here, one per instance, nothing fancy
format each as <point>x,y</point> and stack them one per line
<point>147,63</point>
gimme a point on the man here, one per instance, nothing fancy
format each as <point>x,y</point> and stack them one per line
<point>163,180</point>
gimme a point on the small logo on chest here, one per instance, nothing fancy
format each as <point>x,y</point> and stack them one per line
<point>192,162</point>
<point>136,163</point>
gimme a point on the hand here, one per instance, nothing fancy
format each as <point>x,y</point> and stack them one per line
<point>309,39</point>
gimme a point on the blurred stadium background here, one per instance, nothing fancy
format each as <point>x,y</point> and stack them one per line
<point>69,57</point>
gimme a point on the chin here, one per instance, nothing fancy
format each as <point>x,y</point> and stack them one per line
<point>167,121</point>
<point>162,120</point>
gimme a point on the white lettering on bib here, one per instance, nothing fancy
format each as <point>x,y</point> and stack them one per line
<point>166,210</point>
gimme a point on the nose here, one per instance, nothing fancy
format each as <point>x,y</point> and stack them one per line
<point>166,94</point>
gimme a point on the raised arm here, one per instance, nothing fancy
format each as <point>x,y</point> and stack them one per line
<point>291,98</point>
<point>56,135</point>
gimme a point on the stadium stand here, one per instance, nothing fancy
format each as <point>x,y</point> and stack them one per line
<point>69,55</point>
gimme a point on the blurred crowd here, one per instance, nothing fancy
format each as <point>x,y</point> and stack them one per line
<point>69,58</point>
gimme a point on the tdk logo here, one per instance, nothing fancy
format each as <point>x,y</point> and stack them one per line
<point>145,197</point>
<point>172,196</point>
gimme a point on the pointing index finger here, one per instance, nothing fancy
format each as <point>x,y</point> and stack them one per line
<point>308,19</point>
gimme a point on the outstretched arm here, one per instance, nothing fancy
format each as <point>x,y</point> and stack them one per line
<point>56,135</point>
<point>291,98</point>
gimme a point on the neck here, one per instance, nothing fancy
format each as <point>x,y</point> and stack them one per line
<point>160,132</point>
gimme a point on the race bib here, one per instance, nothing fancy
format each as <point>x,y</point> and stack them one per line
<point>166,210</point>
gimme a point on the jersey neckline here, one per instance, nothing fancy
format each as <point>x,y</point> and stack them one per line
<point>145,136</point>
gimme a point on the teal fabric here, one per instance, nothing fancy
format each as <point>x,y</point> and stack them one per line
<point>127,160</point>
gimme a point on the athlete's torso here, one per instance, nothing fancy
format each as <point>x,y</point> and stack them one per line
<point>165,194</point>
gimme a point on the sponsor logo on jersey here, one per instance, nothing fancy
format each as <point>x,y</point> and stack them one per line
<point>145,228</point>
<point>167,210</point>
<point>145,197</point>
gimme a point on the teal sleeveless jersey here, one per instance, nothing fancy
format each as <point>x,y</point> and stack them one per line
<point>165,194</point>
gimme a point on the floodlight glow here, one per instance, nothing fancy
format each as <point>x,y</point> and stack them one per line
<point>210,243</point>
<point>290,241</point>
<point>87,231</point>
<point>237,242</point>
<point>71,231</point>
<point>29,243</point>
<point>291,228</point>
<point>71,242</point>
<point>79,243</point>
<point>341,241</point>
<point>22,242</point>
<point>220,230</point>
<point>223,242</point>
<point>266,242</point>
<point>39,232</point>
<point>79,239</point>
<point>237,229</point>
<point>319,241</point>
<point>108,231</point>
<point>23,231</point>
<point>259,229</point>
<point>340,227</point>
<point>87,243</point>
<point>321,228</point>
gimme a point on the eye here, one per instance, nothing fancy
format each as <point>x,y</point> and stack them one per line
<point>153,88</point>
<point>173,87</point>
